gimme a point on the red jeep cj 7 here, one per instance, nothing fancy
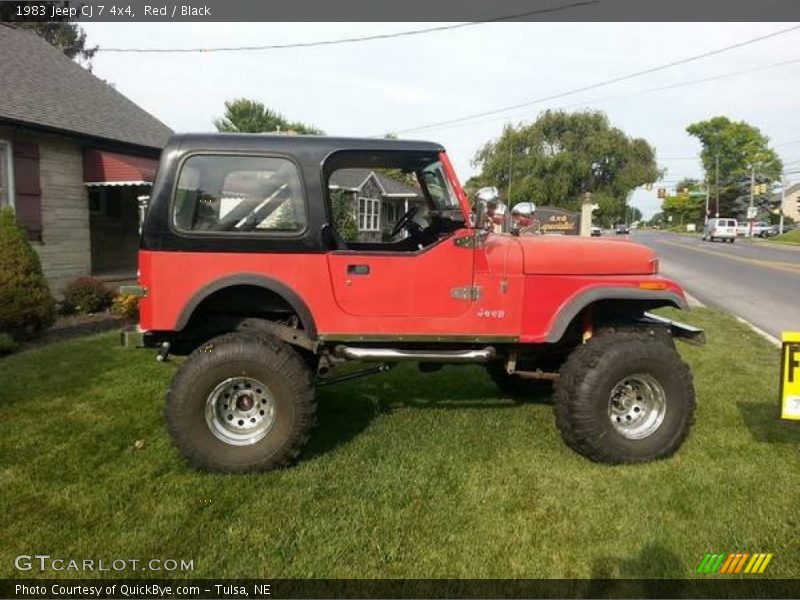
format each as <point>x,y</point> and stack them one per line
<point>244,267</point>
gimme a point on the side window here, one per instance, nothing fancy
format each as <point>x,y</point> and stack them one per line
<point>239,194</point>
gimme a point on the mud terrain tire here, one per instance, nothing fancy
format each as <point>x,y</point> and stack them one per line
<point>241,403</point>
<point>624,397</point>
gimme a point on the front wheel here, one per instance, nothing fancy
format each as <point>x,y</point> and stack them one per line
<point>624,397</point>
<point>241,403</point>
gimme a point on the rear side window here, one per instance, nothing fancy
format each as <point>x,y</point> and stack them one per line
<point>249,195</point>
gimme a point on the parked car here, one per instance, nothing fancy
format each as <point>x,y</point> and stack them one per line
<point>760,229</point>
<point>720,229</point>
<point>243,269</point>
<point>596,231</point>
<point>623,229</point>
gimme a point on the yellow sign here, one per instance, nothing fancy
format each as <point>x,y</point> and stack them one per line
<point>790,376</point>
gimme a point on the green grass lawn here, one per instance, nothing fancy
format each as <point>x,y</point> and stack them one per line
<point>790,237</point>
<point>409,475</point>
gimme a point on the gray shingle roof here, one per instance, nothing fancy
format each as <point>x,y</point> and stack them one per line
<point>354,178</point>
<point>41,86</point>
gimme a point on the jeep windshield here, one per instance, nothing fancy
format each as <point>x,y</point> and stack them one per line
<point>438,188</point>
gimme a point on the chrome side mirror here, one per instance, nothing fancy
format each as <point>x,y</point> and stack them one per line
<point>488,194</point>
<point>485,198</point>
<point>523,209</point>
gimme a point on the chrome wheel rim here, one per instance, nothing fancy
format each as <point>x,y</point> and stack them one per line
<point>240,411</point>
<point>636,406</point>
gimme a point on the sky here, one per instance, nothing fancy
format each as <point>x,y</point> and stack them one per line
<point>381,86</point>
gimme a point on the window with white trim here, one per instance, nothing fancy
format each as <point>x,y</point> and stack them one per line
<point>6,180</point>
<point>369,211</point>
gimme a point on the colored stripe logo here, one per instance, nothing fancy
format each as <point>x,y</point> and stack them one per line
<point>733,563</point>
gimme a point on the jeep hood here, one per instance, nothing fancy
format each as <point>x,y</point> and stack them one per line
<point>572,255</point>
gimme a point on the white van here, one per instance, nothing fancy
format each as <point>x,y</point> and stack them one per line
<point>720,229</point>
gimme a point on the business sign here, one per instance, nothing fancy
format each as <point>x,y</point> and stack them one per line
<point>790,376</point>
<point>558,220</point>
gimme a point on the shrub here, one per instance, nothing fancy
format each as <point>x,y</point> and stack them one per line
<point>7,344</point>
<point>86,295</point>
<point>26,304</point>
<point>126,305</point>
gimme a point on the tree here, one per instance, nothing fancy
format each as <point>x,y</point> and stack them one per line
<point>66,36</point>
<point>634,215</point>
<point>26,304</point>
<point>343,218</point>
<point>561,156</point>
<point>251,116</point>
<point>740,147</point>
<point>687,204</point>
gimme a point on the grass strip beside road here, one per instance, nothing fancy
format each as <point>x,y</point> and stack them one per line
<point>791,238</point>
<point>409,475</point>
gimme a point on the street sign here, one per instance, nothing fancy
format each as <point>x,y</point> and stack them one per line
<point>790,376</point>
<point>752,211</point>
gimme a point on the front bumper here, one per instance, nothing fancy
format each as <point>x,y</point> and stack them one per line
<point>688,333</point>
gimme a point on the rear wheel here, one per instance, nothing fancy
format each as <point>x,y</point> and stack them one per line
<point>240,404</point>
<point>624,397</point>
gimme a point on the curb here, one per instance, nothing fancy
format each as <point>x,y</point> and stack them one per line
<point>770,338</point>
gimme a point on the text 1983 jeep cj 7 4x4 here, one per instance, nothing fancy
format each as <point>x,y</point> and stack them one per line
<point>244,266</point>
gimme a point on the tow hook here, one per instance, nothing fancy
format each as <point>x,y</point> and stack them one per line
<point>163,352</point>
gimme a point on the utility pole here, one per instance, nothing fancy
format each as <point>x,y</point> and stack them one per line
<point>510,164</point>
<point>717,211</point>
<point>783,201</point>
<point>752,198</point>
<point>708,197</point>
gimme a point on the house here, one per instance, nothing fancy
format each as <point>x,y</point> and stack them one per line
<point>74,156</point>
<point>377,200</point>
<point>791,202</point>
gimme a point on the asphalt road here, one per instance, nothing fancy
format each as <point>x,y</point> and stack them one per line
<point>756,282</point>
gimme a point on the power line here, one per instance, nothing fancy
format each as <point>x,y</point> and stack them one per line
<point>354,40</point>
<point>601,83</point>
<point>652,90</point>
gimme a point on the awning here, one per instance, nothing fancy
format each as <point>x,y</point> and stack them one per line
<point>110,168</point>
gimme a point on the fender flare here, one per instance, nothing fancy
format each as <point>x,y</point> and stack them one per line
<point>292,298</point>
<point>580,301</point>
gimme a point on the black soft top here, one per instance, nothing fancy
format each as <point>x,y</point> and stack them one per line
<point>316,157</point>
<point>308,146</point>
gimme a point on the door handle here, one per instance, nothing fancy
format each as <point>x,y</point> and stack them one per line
<point>358,269</point>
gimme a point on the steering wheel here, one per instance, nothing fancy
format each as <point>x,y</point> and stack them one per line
<point>405,222</point>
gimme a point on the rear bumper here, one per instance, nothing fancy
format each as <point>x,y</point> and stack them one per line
<point>688,333</point>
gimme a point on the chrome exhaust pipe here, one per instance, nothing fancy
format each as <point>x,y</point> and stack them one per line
<point>394,355</point>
